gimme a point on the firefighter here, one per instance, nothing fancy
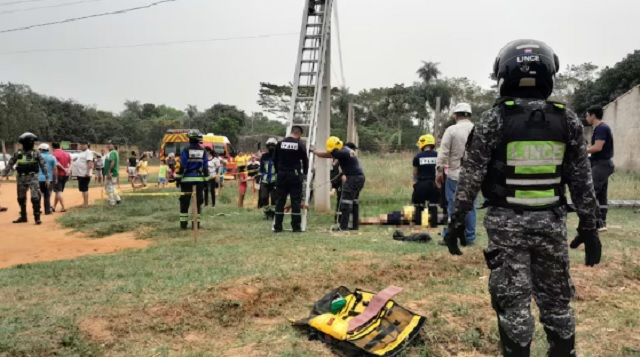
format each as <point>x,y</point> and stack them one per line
<point>521,155</point>
<point>28,163</point>
<point>352,183</point>
<point>267,195</point>
<point>424,181</point>
<point>291,163</point>
<point>193,171</point>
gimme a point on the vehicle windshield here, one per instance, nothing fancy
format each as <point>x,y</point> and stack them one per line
<point>219,149</point>
<point>175,148</point>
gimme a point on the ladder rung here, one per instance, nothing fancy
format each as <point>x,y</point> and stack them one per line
<point>302,112</point>
<point>306,86</point>
<point>305,98</point>
<point>310,48</point>
<point>309,61</point>
<point>314,25</point>
<point>301,124</point>
<point>312,37</point>
<point>317,13</point>
<point>308,73</point>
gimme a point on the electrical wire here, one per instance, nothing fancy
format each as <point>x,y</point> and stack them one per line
<point>9,3</point>
<point>150,44</point>
<point>335,13</point>
<point>47,7</point>
<point>117,12</point>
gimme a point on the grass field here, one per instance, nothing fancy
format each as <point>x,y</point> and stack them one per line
<point>230,293</point>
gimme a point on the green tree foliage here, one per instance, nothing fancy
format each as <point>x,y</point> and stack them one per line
<point>610,84</point>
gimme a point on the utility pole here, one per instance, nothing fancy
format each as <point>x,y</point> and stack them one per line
<point>436,118</point>
<point>321,194</point>
<point>352,128</point>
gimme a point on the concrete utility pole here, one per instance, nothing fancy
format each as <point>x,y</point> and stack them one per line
<point>436,118</point>
<point>321,193</point>
<point>352,127</point>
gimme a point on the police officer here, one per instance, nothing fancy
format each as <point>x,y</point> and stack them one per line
<point>29,162</point>
<point>193,171</point>
<point>352,184</point>
<point>424,180</point>
<point>267,195</point>
<point>521,154</point>
<point>291,164</point>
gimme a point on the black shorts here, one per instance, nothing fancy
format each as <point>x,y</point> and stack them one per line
<point>62,182</point>
<point>83,184</point>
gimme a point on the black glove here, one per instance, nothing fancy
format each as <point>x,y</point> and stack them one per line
<point>455,232</point>
<point>592,245</point>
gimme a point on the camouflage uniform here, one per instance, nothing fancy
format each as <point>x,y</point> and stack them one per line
<point>28,162</point>
<point>527,250</point>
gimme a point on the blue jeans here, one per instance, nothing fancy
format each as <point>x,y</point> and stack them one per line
<point>470,221</point>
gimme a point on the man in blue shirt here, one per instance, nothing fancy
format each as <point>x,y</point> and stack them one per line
<point>602,167</point>
<point>46,184</point>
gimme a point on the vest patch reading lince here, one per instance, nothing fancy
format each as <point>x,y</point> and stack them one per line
<point>289,146</point>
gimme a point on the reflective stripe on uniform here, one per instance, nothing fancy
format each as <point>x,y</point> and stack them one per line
<point>533,201</point>
<point>193,179</point>
<point>347,201</point>
<point>184,217</point>
<point>533,182</point>
<point>522,162</point>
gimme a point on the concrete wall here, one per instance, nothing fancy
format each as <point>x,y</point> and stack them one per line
<point>623,116</point>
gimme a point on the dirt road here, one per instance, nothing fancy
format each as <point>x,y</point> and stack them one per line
<point>28,243</point>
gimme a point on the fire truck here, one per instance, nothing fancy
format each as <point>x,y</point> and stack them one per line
<point>176,139</point>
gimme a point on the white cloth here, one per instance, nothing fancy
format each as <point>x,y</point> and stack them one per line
<point>82,163</point>
<point>214,167</point>
<point>452,148</point>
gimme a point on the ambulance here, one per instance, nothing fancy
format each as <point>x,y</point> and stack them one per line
<point>176,139</point>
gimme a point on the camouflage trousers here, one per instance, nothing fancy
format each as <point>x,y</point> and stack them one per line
<point>27,183</point>
<point>528,256</point>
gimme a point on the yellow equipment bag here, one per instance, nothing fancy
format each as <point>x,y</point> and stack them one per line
<point>383,328</point>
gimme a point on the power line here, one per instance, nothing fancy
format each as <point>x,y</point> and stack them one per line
<point>117,12</point>
<point>47,7</point>
<point>344,82</point>
<point>9,3</point>
<point>149,44</point>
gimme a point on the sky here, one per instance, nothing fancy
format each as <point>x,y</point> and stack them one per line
<point>383,43</point>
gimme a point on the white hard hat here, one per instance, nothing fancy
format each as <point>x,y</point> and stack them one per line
<point>462,108</point>
<point>43,147</point>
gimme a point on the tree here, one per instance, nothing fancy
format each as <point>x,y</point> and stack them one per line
<point>275,99</point>
<point>428,72</point>
<point>222,119</point>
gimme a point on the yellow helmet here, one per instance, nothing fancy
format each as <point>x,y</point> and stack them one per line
<point>334,143</point>
<point>426,140</point>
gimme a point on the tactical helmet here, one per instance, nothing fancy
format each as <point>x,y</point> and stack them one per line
<point>526,64</point>
<point>27,138</point>
<point>334,143</point>
<point>425,140</point>
<point>194,135</point>
<point>272,141</point>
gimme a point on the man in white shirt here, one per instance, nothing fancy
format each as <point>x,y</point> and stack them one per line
<point>83,167</point>
<point>450,155</point>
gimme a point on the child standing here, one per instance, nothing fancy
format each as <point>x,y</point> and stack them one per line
<point>141,169</point>
<point>162,174</point>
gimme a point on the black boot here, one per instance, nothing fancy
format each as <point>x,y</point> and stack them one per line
<point>36,216</point>
<point>511,348</point>
<point>22,219</point>
<point>355,221</point>
<point>559,347</point>
<point>184,225</point>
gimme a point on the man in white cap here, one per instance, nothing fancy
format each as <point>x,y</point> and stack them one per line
<point>452,148</point>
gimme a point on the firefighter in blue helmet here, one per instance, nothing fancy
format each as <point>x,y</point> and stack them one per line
<point>194,171</point>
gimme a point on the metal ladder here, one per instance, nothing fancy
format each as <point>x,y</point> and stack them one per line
<point>306,93</point>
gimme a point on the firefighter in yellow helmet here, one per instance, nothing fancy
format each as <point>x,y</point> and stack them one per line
<point>352,182</point>
<point>424,180</point>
